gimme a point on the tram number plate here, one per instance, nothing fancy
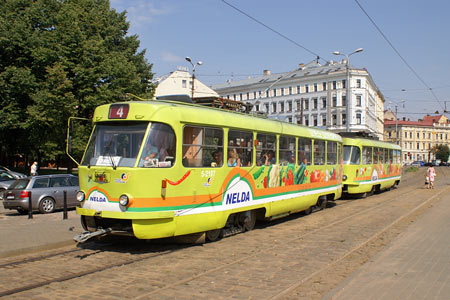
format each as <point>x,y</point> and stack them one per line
<point>118,111</point>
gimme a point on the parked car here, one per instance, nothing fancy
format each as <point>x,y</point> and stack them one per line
<point>443,164</point>
<point>47,193</point>
<point>16,175</point>
<point>417,163</point>
<point>6,180</point>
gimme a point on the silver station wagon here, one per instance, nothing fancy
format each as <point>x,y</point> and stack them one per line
<point>47,193</point>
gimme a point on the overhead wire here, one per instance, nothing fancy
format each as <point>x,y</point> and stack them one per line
<point>398,53</point>
<point>274,31</point>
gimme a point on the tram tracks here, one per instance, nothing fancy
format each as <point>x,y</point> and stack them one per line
<point>121,259</point>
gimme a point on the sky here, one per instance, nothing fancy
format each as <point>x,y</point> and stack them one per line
<point>410,64</point>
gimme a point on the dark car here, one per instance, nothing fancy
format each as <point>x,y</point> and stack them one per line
<point>443,164</point>
<point>47,193</point>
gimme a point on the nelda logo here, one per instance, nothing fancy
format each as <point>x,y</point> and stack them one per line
<point>100,202</point>
<point>238,192</point>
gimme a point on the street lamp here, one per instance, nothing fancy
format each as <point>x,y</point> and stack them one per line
<point>199,63</point>
<point>347,56</point>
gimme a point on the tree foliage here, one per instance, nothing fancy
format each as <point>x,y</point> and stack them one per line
<point>442,152</point>
<point>62,58</point>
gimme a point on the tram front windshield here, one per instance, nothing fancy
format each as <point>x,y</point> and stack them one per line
<point>115,144</point>
<point>352,155</point>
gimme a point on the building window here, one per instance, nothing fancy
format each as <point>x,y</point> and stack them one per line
<point>306,121</point>
<point>344,100</point>
<point>324,86</point>
<point>248,96</point>
<point>358,83</point>
<point>358,119</point>
<point>298,104</point>
<point>429,135</point>
<point>406,134</point>
<point>281,107</point>
<point>184,83</point>
<point>290,90</point>
<point>289,106</point>
<point>306,104</point>
<point>274,107</point>
<point>324,120</point>
<point>298,89</point>
<point>240,96</point>
<point>257,107</point>
<point>315,87</point>
<point>343,84</point>
<point>358,100</point>
<point>282,91</point>
<point>423,135</point>
<point>315,120</point>
<point>274,92</point>
<point>306,88</point>
<point>418,146</point>
<point>334,101</point>
<point>410,135</point>
<point>315,103</point>
<point>254,95</point>
<point>267,107</point>
<point>418,135</point>
<point>334,120</point>
<point>344,119</point>
<point>324,102</point>
<point>267,94</point>
<point>334,85</point>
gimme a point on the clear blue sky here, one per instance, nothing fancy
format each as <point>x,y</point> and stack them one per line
<point>232,46</point>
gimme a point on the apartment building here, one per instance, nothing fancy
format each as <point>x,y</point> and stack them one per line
<point>418,138</point>
<point>314,95</point>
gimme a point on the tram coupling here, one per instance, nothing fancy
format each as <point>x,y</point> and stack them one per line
<point>81,238</point>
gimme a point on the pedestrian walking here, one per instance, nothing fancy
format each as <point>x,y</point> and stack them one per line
<point>431,173</point>
<point>33,169</point>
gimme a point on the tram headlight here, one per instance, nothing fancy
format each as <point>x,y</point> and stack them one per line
<point>80,196</point>
<point>123,200</point>
<point>344,178</point>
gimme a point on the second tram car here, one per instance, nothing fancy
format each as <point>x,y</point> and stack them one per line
<point>159,169</point>
<point>370,166</point>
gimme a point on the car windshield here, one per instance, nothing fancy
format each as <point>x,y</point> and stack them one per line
<point>19,184</point>
<point>115,144</point>
<point>5,176</point>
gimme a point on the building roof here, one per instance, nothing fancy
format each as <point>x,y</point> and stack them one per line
<point>310,69</point>
<point>427,121</point>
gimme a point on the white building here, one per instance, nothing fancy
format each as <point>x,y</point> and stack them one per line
<point>314,95</point>
<point>179,83</point>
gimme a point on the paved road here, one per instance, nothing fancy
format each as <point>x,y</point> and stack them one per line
<point>321,255</point>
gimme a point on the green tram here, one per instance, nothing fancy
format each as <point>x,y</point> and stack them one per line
<point>156,169</point>
<point>370,166</point>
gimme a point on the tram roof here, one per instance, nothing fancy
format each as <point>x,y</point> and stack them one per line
<point>173,112</point>
<point>369,142</point>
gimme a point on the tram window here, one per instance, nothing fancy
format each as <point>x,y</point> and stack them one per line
<point>266,147</point>
<point>367,155</point>
<point>202,147</point>
<point>319,152</point>
<point>377,155</point>
<point>331,153</point>
<point>385,156</point>
<point>287,150</point>
<point>352,155</point>
<point>240,148</point>
<point>115,144</point>
<point>159,148</point>
<point>391,156</point>
<point>304,151</point>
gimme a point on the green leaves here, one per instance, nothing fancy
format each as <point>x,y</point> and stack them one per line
<point>62,58</point>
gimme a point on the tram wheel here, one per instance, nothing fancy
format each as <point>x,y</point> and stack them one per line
<point>322,203</point>
<point>250,220</point>
<point>213,235</point>
<point>307,211</point>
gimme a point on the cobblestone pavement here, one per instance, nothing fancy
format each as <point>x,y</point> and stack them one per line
<point>296,258</point>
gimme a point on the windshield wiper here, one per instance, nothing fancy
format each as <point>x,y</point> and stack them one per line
<point>108,152</point>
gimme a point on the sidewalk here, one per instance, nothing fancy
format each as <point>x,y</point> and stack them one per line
<point>20,235</point>
<point>416,265</point>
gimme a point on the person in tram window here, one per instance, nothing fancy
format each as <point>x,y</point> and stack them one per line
<point>233,158</point>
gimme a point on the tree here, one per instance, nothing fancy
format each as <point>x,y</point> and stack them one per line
<point>62,58</point>
<point>442,152</point>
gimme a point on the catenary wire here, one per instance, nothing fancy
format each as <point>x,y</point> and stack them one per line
<point>398,53</point>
